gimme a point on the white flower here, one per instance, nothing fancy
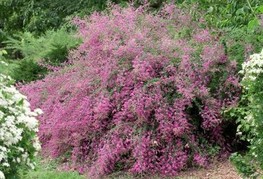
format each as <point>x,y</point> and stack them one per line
<point>252,69</point>
<point>6,164</point>
<point>1,114</point>
<point>20,149</point>
<point>38,111</point>
<point>3,102</point>
<point>4,63</point>
<point>25,156</point>
<point>26,104</point>
<point>18,160</point>
<point>31,123</point>
<point>37,145</point>
<point>32,166</point>
<point>2,176</point>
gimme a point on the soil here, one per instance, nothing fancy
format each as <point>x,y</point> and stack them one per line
<point>217,170</point>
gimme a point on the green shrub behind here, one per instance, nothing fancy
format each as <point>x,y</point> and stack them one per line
<point>50,49</point>
<point>53,46</point>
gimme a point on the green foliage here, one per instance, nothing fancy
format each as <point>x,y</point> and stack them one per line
<point>46,170</point>
<point>152,3</point>
<point>24,70</point>
<point>52,48</point>
<point>27,70</point>
<point>2,53</point>
<point>39,16</point>
<point>230,13</point>
<point>6,66</point>
<point>240,44</point>
<point>244,165</point>
<point>8,70</point>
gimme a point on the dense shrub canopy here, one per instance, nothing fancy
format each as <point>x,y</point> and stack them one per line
<point>144,94</point>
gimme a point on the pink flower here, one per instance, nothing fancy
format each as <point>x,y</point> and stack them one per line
<point>136,96</point>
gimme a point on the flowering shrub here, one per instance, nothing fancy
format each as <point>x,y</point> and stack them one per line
<point>18,126</point>
<point>252,84</point>
<point>252,69</point>
<point>250,126</point>
<point>144,94</point>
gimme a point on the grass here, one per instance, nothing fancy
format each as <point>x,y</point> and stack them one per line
<point>53,175</point>
<point>46,169</point>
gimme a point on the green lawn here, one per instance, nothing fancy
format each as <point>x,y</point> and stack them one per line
<point>47,170</point>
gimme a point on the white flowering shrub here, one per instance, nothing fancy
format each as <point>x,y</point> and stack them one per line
<point>252,82</point>
<point>18,130</point>
<point>251,115</point>
<point>252,70</point>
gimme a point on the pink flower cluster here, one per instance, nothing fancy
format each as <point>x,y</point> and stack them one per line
<point>142,95</point>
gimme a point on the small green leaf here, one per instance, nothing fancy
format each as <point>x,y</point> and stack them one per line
<point>260,9</point>
<point>20,102</point>
<point>3,52</point>
<point>253,24</point>
<point>210,9</point>
<point>240,11</point>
